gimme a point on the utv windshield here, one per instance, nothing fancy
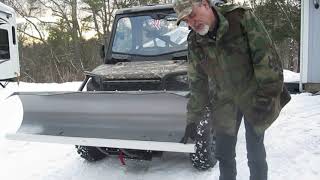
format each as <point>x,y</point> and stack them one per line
<point>152,35</point>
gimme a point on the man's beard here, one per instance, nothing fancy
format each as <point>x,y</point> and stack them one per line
<point>204,30</point>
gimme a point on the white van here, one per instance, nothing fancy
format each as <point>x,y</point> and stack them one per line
<point>9,56</point>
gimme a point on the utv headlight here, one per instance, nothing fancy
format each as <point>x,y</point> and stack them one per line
<point>182,78</point>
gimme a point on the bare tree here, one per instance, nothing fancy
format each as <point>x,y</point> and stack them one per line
<point>76,33</point>
<point>101,12</point>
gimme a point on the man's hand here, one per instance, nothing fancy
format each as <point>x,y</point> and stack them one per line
<point>190,132</point>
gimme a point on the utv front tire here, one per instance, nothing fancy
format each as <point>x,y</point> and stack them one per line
<point>204,156</point>
<point>90,153</point>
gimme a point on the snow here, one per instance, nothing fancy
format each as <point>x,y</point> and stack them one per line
<point>292,143</point>
<point>290,76</point>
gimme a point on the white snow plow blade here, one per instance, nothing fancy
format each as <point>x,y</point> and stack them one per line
<point>130,120</point>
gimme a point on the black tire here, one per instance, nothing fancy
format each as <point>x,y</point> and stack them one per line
<point>90,153</point>
<point>204,156</point>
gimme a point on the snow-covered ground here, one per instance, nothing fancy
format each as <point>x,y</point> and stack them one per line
<point>293,148</point>
<point>290,76</point>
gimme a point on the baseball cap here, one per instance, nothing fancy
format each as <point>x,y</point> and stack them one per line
<point>183,8</point>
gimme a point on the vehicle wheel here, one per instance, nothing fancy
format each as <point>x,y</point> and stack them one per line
<point>90,153</point>
<point>204,156</point>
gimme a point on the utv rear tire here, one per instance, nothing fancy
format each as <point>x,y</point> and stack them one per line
<point>204,156</point>
<point>90,153</point>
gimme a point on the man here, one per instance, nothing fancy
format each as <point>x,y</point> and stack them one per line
<point>234,70</point>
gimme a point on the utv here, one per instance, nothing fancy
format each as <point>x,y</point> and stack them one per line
<point>135,104</point>
<point>146,52</point>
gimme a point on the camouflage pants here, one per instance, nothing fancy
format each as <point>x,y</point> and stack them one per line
<point>256,154</point>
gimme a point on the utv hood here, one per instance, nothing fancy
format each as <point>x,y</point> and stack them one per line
<point>140,69</point>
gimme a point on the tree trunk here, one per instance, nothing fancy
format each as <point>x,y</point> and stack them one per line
<point>75,35</point>
<point>96,23</point>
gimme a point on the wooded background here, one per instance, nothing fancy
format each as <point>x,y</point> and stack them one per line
<point>59,49</point>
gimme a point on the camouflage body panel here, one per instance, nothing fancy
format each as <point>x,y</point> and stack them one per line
<point>237,69</point>
<point>140,69</point>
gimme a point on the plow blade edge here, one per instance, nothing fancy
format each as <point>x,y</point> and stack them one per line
<point>131,120</point>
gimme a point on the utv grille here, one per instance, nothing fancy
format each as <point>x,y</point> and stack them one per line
<point>143,85</point>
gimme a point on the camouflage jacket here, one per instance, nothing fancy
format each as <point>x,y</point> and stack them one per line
<point>236,69</point>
